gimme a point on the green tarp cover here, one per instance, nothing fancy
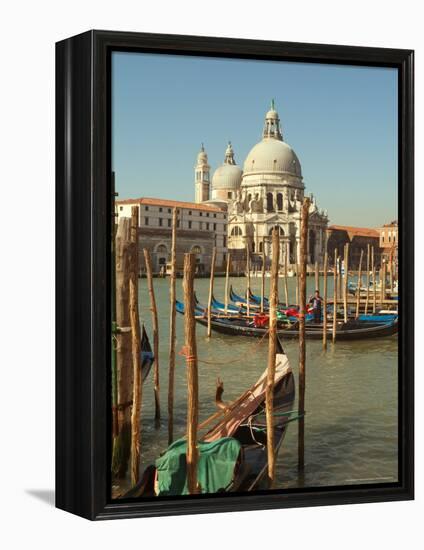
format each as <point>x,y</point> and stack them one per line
<point>215,467</point>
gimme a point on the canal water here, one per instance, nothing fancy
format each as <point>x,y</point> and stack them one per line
<point>351,428</point>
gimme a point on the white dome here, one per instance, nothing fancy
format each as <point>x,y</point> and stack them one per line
<point>272,155</point>
<point>227,176</point>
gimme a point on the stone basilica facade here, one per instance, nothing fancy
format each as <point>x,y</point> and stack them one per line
<point>267,193</point>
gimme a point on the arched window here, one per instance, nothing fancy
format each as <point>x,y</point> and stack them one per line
<point>261,246</point>
<point>279,201</point>
<point>269,202</point>
<point>249,198</point>
<point>253,246</point>
<point>196,250</point>
<point>161,249</point>
<point>236,231</point>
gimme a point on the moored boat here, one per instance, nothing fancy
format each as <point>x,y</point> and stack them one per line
<point>353,329</point>
<point>233,451</point>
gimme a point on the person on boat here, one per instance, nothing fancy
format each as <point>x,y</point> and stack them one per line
<point>316,302</point>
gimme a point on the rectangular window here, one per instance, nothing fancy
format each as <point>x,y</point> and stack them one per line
<point>207,214</point>
<point>160,222</point>
<point>214,215</point>
<point>229,195</point>
<point>146,208</point>
<point>224,241</point>
<point>201,214</point>
<point>146,221</point>
<point>169,210</point>
<point>160,209</point>
<point>200,225</point>
<point>189,224</point>
<point>169,222</point>
<point>189,212</point>
<point>214,226</point>
<point>121,208</point>
<point>178,223</point>
<point>207,226</point>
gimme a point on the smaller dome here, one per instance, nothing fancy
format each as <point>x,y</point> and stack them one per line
<point>227,176</point>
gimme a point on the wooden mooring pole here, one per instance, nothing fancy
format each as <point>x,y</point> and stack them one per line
<point>286,288</point>
<point>263,278</point>
<point>227,280</point>
<point>192,373</point>
<point>124,365</point>
<point>272,348</point>
<point>345,280</point>
<point>336,260</point>
<point>136,352</point>
<point>367,280</point>
<point>316,277</point>
<point>374,288</point>
<point>383,284</point>
<point>211,280</point>
<point>324,313</point>
<point>302,346</point>
<point>248,278</point>
<point>155,325</point>
<point>172,333</point>
<point>358,286</point>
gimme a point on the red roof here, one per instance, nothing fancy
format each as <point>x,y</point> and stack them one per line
<point>356,231</point>
<point>171,204</point>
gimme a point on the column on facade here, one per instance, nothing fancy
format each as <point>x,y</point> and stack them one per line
<point>318,247</point>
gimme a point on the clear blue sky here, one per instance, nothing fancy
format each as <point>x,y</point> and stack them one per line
<point>341,121</point>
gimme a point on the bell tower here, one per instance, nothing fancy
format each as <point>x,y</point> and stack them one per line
<point>202,177</point>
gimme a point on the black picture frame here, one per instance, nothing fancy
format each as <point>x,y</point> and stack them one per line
<point>84,198</point>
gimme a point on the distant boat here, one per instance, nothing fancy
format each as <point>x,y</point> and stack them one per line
<point>353,329</point>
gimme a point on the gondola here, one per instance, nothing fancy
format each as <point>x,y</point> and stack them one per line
<point>255,305</point>
<point>292,312</point>
<point>147,357</point>
<point>233,452</point>
<point>352,330</point>
<point>219,307</point>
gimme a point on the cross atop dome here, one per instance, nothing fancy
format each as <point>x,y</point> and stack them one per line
<point>272,124</point>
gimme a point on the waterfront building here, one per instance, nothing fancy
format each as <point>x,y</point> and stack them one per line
<point>268,193</point>
<point>389,243</point>
<point>200,228</point>
<point>358,238</point>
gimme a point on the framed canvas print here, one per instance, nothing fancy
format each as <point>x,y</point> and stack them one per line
<point>234,274</point>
